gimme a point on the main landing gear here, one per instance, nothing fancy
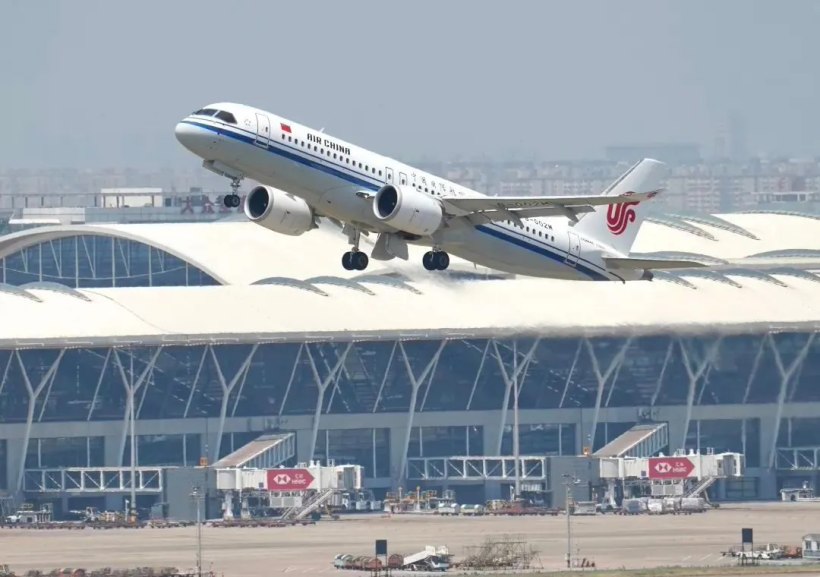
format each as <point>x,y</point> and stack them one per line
<point>232,200</point>
<point>436,260</point>
<point>354,259</point>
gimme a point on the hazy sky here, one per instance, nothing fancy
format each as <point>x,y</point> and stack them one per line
<point>102,83</point>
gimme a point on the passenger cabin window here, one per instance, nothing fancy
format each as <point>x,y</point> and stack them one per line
<point>226,117</point>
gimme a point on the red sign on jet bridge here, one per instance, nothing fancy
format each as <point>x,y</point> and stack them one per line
<point>289,479</point>
<point>670,468</point>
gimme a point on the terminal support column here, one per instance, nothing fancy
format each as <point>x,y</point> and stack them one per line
<point>131,389</point>
<point>510,381</point>
<point>33,394</point>
<point>786,374</point>
<point>695,370</point>
<point>411,410</point>
<point>322,386</point>
<point>227,389</point>
<point>614,365</point>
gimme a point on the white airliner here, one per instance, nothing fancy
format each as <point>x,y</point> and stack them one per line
<point>307,174</point>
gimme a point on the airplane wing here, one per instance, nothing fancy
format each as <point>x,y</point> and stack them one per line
<point>517,214</point>
<point>491,208</point>
<point>650,263</point>
<point>465,206</point>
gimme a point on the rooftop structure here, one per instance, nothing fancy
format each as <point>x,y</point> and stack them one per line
<point>219,333</point>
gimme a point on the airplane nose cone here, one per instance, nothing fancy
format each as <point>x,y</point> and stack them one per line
<point>186,134</point>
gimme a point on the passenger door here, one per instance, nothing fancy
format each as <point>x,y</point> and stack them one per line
<point>262,130</point>
<point>388,174</point>
<point>574,252</point>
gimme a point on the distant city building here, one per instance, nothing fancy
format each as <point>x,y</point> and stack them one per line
<point>693,186</point>
<point>677,153</point>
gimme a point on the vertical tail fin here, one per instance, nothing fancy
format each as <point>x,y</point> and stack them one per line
<point>617,225</point>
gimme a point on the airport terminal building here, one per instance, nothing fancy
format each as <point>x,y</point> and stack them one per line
<point>211,335</point>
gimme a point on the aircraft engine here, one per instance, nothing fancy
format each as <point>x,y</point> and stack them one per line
<point>278,211</point>
<point>408,210</point>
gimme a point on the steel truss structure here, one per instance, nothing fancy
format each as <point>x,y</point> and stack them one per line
<point>93,480</point>
<point>478,469</point>
<point>406,378</point>
<point>798,458</point>
<point>93,260</point>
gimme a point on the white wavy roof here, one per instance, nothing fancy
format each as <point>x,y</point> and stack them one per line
<point>772,232</point>
<point>38,317</point>
<point>337,304</point>
<point>240,252</point>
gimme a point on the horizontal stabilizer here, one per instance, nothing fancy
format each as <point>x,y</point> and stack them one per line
<point>649,263</point>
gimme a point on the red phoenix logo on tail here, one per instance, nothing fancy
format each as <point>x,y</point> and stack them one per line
<point>618,216</point>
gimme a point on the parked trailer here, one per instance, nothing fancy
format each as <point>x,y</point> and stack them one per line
<point>472,509</point>
<point>430,559</point>
<point>395,561</point>
<point>448,509</point>
<point>633,507</point>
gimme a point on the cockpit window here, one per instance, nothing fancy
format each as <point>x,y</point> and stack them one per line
<point>226,116</point>
<point>206,111</point>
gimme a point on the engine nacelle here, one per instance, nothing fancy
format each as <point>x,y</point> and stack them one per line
<point>278,211</point>
<point>408,210</point>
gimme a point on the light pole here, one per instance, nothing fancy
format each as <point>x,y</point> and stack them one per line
<point>569,482</point>
<point>516,440</point>
<point>197,497</point>
<point>133,431</point>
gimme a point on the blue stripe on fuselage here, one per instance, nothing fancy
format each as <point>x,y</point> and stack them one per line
<point>317,164</point>
<point>495,231</point>
<point>559,257</point>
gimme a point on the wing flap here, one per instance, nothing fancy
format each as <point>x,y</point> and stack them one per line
<point>650,263</point>
<point>503,214</point>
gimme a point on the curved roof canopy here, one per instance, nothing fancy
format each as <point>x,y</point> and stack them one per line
<point>695,304</point>
<point>243,253</point>
<point>294,288</point>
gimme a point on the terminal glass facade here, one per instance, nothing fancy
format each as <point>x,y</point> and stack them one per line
<point>280,379</point>
<point>86,261</point>
<point>258,387</point>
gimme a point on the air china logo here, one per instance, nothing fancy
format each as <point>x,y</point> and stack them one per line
<point>618,217</point>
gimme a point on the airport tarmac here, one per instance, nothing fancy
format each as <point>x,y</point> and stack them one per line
<point>611,541</point>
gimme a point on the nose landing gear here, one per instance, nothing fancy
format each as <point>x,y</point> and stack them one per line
<point>232,200</point>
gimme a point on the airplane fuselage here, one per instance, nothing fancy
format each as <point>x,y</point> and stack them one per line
<point>330,175</point>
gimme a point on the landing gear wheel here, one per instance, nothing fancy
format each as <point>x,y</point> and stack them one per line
<point>428,260</point>
<point>347,261</point>
<point>438,260</point>
<point>441,260</point>
<point>360,260</point>
<point>232,200</point>
<point>355,260</point>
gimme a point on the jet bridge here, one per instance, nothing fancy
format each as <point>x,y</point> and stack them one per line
<point>643,440</point>
<point>93,480</point>
<point>264,452</point>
